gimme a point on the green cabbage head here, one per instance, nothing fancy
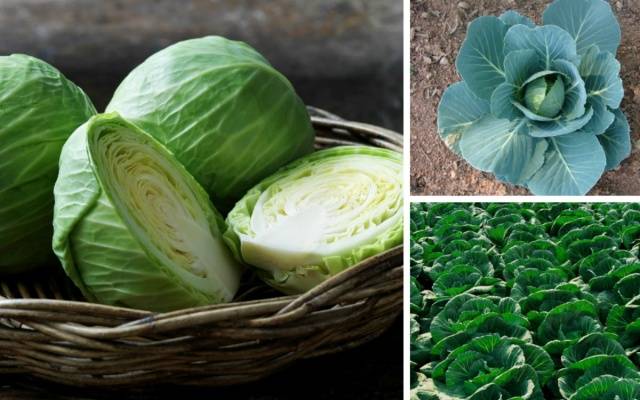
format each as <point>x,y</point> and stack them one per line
<point>132,228</point>
<point>539,106</point>
<point>319,215</point>
<point>228,116</point>
<point>39,109</point>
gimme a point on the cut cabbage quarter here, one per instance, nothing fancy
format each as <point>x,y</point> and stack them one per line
<point>132,228</point>
<point>319,216</point>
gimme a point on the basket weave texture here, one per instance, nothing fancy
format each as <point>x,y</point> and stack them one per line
<point>48,331</point>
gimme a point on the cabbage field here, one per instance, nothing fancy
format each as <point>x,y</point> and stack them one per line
<point>525,301</point>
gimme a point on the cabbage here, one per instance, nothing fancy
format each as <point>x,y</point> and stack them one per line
<point>229,117</point>
<point>556,308</point>
<point>39,109</point>
<point>539,106</point>
<point>132,228</point>
<point>319,216</point>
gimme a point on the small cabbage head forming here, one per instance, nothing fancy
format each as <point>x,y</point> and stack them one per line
<point>539,106</point>
<point>319,216</point>
<point>132,228</point>
<point>39,109</point>
<point>228,116</point>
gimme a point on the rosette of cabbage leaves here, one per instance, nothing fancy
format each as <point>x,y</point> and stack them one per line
<point>593,356</point>
<point>319,215</point>
<point>608,387</point>
<point>132,228</point>
<point>39,110</point>
<point>228,116</point>
<point>491,367</point>
<point>539,106</point>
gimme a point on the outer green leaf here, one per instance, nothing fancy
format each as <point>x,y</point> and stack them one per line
<point>590,22</point>
<point>602,117</point>
<point>590,345</point>
<point>585,371</point>
<point>511,18</point>
<point>520,65</point>
<point>481,57</point>
<point>608,387</point>
<point>540,361</point>
<point>416,297</point>
<point>532,115</point>
<point>456,280</point>
<point>319,216</point>
<point>575,92</point>
<point>559,127</point>
<point>503,102</point>
<point>550,43</point>
<point>458,110</point>
<point>629,286</point>
<point>500,146</point>
<point>39,109</point>
<point>123,208</point>
<point>616,141</point>
<point>601,73</point>
<point>573,165</point>
<point>222,109</point>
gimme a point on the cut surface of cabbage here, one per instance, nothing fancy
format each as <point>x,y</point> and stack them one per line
<point>319,216</point>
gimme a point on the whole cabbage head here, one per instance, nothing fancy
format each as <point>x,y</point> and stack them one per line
<point>539,106</point>
<point>39,109</point>
<point>228,116</point>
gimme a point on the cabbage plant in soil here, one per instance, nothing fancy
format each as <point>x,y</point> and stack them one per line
<point>228,116</point>
<point>132,228</point>
<point>539,106</point>
<point>319,215</point>
<point>39,109</point>
<point>525,301</point>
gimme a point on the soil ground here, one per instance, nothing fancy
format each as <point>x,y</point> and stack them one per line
<point>437,30</point>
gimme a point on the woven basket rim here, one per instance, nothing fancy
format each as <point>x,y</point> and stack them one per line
<point>141,316</point>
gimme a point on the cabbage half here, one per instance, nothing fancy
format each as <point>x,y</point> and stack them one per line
<point>39,109</point>
<point>319,216</point>
<point>132,228</point>
<point>229,117</point>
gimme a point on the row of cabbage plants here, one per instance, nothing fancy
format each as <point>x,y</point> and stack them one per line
<point>525,301</point>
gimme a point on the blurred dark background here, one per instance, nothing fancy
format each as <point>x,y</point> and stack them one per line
<point>341,55</point>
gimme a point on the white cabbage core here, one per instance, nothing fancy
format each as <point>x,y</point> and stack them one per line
<point>322,209</point>
<point>163,208</point>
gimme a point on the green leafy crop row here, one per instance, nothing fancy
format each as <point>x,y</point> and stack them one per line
<point>525,301</point>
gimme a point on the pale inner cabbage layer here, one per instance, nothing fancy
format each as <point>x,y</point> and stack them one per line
<point>162,206</point>
<point>324,209</point>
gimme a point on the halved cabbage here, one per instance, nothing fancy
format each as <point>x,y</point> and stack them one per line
<point>39,109</point>
<point>319,215</point>
<point>228,116</point>
<point>132,228</point>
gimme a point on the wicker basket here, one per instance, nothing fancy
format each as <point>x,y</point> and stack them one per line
<point>48,331</point>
